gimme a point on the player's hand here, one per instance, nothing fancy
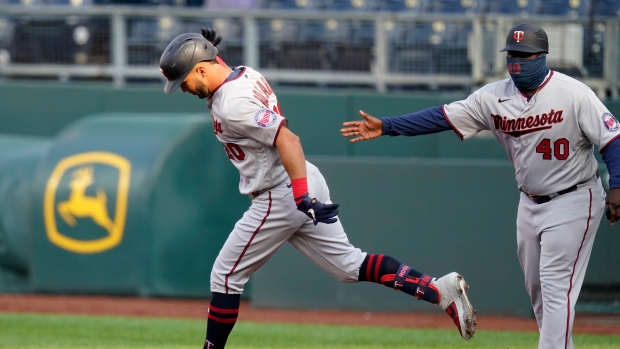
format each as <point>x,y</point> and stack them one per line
<point>612,205</point>
<point>318,211</point>
<point>211,35</point>
<point>369,128</point>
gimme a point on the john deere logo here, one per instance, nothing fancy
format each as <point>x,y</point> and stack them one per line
<point>90,222</point>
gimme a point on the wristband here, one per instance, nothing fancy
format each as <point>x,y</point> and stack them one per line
<point>300,187</point>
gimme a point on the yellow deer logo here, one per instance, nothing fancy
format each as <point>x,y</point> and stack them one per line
<point>80,205</point>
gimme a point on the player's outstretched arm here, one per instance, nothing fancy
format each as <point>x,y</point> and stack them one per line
<point>366,129</point>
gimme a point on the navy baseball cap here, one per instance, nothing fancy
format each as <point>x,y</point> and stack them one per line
<point>527,37</point>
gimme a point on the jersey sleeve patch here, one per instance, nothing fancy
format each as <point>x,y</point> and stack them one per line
<point>265,118</point>
<point>610,122</point>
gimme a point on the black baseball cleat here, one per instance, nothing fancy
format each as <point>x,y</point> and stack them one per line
<point>453,299</point>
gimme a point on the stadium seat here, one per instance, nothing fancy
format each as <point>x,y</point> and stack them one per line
<point>328,31</point>
<point>349,5</point>
<point>52,39</point>
<point>127,2</point>
<point>277,30</point>
<point>291,4</point>
<point>231,4</point>
<point>452,58</point>
<point>142,41</point>
<point>606,8</point>
<point>511,7</point>
<point>570,8</point>
<point>594,50</point>
<point>362,33</point>
<point>180,3</point>
<point>410,49</point>
<point>347,44</point>
<point>7,32</point>
<point>430,48</point>
<point>148,37</point>
<point>289,44</point>
<point>453,6</point>
<point>404,5</point>
<point>355,51</point>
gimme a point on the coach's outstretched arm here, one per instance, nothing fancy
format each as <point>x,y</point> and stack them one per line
<point>427,121</point>
<point>370,128</point>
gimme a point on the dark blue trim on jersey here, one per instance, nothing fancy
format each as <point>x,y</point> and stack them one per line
<point>235,73</point>
<point>228,79</point>
<point>422,122</point>
<point>611,156</point>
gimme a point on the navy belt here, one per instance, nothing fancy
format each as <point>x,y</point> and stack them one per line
<point>541,199</point>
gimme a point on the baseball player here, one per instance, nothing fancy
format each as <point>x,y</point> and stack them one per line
<point>290,198</point>
<point>548,124</point>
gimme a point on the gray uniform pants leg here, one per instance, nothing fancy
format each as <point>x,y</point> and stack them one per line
<point>554,241</point>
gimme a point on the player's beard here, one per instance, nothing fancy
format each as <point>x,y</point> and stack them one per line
<point>201,90</point>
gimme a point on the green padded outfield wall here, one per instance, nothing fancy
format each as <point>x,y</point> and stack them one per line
<point>122,204</point>
<point>19,158</point>
<point>163,250</point>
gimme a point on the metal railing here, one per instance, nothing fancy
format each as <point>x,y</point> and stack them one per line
<point>381,51</point>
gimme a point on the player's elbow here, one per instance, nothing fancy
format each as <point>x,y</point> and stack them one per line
<point>287,138</point>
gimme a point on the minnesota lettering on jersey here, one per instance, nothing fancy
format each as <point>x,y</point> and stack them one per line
<point>527,124</point>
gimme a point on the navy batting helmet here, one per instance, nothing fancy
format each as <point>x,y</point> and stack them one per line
<point>181,56</point>
<point>527,37</point>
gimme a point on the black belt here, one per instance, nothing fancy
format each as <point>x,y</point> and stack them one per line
<point>541,199</point>
<point>254,194</point>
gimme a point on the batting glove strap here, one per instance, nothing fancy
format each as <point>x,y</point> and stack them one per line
<point>211,35</point>
<point>316,210</point>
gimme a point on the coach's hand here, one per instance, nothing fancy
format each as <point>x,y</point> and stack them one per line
<point>318,211</point>
<point>612,205</point>
<point>211,35</point>
<point>370,128</point>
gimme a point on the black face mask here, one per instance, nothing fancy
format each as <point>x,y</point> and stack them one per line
<point>527,74</point>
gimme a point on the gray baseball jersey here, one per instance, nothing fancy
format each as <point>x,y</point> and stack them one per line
<point>246,120</point>
<point>549,138</point>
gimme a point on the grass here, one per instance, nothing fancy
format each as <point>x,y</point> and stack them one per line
<point>25,331</point>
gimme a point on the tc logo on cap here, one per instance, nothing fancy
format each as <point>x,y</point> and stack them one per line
<point>518,35</point>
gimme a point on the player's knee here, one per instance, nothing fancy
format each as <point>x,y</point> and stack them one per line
<point>225,283</point>
<point>348,277</point>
